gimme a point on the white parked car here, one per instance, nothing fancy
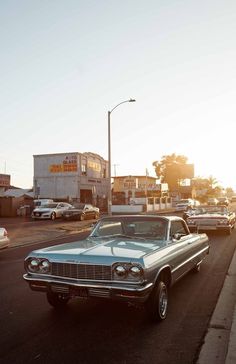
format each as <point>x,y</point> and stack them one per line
<point>185,204</point>
<point>50,211</point>
<point>4,240</point>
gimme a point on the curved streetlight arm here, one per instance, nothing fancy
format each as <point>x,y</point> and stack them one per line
<point>130,100</point>
<point>109,197</point>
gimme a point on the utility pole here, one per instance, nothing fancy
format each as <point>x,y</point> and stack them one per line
<point>115,165</point>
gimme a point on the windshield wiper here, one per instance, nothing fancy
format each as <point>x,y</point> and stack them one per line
<point>118,236</point>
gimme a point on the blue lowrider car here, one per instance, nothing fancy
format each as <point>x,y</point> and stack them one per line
<point>132,258</point>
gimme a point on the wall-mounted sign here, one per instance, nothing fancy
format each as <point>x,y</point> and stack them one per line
<point>69,164</point>
<point>4,180</point>
<point>94,166</point>
<point>130,183</point>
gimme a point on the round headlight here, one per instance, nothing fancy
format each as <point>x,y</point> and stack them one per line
<point>44,266</point>
<point>135,271</point>
<point>120,270</point>
<point>33,265</point>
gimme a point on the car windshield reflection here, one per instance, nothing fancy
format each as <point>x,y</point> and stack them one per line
<point>131,229</point>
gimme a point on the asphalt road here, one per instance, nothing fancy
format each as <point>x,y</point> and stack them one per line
<point>102,332</point>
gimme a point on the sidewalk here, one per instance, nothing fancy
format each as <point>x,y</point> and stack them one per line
<point>220,341</point>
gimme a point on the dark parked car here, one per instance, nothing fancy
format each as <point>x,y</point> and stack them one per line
<point>129,258</point>
<point>81,211</point>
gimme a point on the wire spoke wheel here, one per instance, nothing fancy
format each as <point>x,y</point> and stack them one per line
<point>157,303</point>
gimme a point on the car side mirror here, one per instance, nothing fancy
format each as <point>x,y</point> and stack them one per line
<point>177,236</point>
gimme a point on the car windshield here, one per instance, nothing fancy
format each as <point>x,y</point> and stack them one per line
<point>132,227</point>
<point>79,206</point>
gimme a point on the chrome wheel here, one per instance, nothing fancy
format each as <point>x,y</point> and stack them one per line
<point>163,302</point>
<point>157,303</point>
<point>53,216</point>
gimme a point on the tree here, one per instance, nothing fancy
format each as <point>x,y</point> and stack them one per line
<point>207,187</point>
<point>169,170</point>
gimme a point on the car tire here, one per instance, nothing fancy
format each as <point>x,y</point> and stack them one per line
<point>157,303</point>
<point>57,300</point>
<point>82,217</point>
<point>197,268</point>
<point>53,216</point>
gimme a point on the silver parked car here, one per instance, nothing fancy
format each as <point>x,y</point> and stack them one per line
<point>50,211</point>
<point>130,258</point>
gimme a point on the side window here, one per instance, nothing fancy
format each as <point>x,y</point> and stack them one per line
<point>178,227</point>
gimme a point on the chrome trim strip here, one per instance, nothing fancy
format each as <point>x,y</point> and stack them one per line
<point>189,259</point>
<point>81,284</point>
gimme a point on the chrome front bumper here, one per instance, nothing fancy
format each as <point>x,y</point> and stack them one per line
<point>133,292</point>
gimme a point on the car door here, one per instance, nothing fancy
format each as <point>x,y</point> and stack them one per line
<point>60,208</point>
<point>186,247</point>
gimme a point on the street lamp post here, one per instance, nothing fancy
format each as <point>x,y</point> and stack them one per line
<point>109,199</point>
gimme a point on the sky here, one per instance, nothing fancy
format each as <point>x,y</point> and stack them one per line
<point>65,63</point>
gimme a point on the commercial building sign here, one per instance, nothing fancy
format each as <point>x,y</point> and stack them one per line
<point>69,164</point>
<point>4,180</point>
<point>130,183</point>
<point>94,166</point>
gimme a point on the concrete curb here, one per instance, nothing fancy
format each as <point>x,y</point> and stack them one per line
<point>219,343</point>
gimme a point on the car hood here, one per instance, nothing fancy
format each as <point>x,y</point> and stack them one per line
<point>100,249</point>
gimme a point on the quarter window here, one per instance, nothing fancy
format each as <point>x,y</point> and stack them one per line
<point>177,227</point>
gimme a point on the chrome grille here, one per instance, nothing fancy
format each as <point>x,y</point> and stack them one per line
<point>60,289</point>
<point>93,292</point>
<point>82,271</point>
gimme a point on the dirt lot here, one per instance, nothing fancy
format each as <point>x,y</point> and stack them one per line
<point>23,231</point>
